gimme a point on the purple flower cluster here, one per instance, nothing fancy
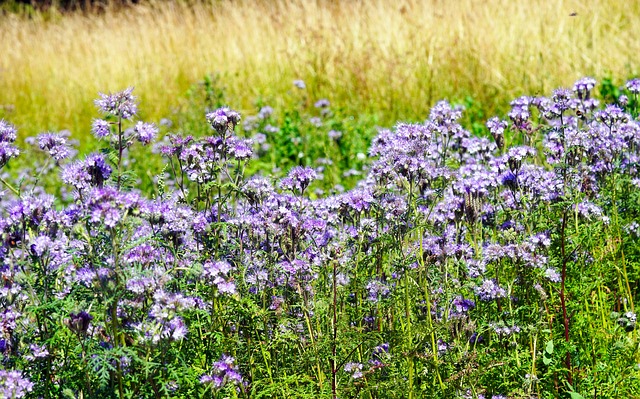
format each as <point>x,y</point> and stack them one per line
<point>298,179</point>
<point>7,137</point>
<point>224,372</point>
<point>55,144</point>
<point>223,120</point>
<point>13,385</point>
<point>121,104</point>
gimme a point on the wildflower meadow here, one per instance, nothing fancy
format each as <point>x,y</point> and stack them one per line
<point>443,261</point>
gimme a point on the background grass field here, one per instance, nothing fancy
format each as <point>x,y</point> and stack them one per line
<point>391,59</point>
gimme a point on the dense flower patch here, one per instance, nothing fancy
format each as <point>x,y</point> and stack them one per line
<point>459,266</point>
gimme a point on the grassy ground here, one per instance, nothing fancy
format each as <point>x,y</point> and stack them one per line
<point>393,59</point>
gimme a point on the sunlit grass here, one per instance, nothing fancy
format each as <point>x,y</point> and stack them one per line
<point>391,58</point>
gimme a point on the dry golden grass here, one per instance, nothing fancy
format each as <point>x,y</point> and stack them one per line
<point>395,58</point>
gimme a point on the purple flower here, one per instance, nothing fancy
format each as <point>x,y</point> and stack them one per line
<point>240,149</point>
<point>299,84</point>
<point>79,322</point>
<point>496,128</point>
<point>561,101</point>
<point>623,100</point>
<point>443,347</point>
<point>298,179</point>
<point>460,307</point>
<point>108,205</point>
<point>377,290</point>
<point>379,355</point>
<point>489,291</point>
<point>7,151</point>
<point>611,114</point>
<point>121,104</point>
<point>8,132</point>
<point>553,275</point>
<point>334,134</point>
<point>583,87</point>
<point>92,172</point>
<point>175,146</point>
<point>224,372</point>
<point>355,369</point>
<point>633,86</point>
<point>381,349</point>
<point>101,128</point>
<point>323,103</point>
<point>223,119</point>
<point>218,274</point>
<point>265,112</point>
<point>145,132</point>
<point>504,331</point>
<point>519,113</point>
<point>516,155</point>
<point>315,121</point>
<point>55,144</point>
<point>13,385</point>
<point>476,339</point>
<point>38,351</point>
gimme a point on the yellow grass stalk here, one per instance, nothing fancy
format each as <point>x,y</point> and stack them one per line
<point>392,57</point>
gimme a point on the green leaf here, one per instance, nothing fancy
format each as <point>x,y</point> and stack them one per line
<point>575,395</point>
<point>546,360</point>
<point>549,347</point>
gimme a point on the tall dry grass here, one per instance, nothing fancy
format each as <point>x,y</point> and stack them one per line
<point>395,58</point>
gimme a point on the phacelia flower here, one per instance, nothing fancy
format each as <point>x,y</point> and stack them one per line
<point>489,291</point>
<point>100,128</point>
<point>145,132</point>
<point>322,103</point>
<point>223,119</point>
<point>92,172</point>
<point>224,372</point>
<point>7,132</point>
<point>55,144</point>
<point>13,385</point>
<point>298,179</point>
<point>583,87</point>
<point>355,369</point>
<point>7,151</point>
<point>121,104</point>
<point>79,322</point>
<point>633,86</point>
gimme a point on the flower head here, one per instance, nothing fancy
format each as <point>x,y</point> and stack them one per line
<point>584,86</point>
<point>7,132</point>
<point>79,322</point>
<point>121,104</point>
<point>55,144</point>
<point>145,132</point>
<point>7,151</point>
<point>13,384</point>
<point>224,372</point>
<point>633,86</point>
<point>298,179</point>
<point>223,119</point>
<point>100,128</point>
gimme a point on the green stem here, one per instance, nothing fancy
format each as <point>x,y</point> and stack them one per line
<point>10,187</point>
